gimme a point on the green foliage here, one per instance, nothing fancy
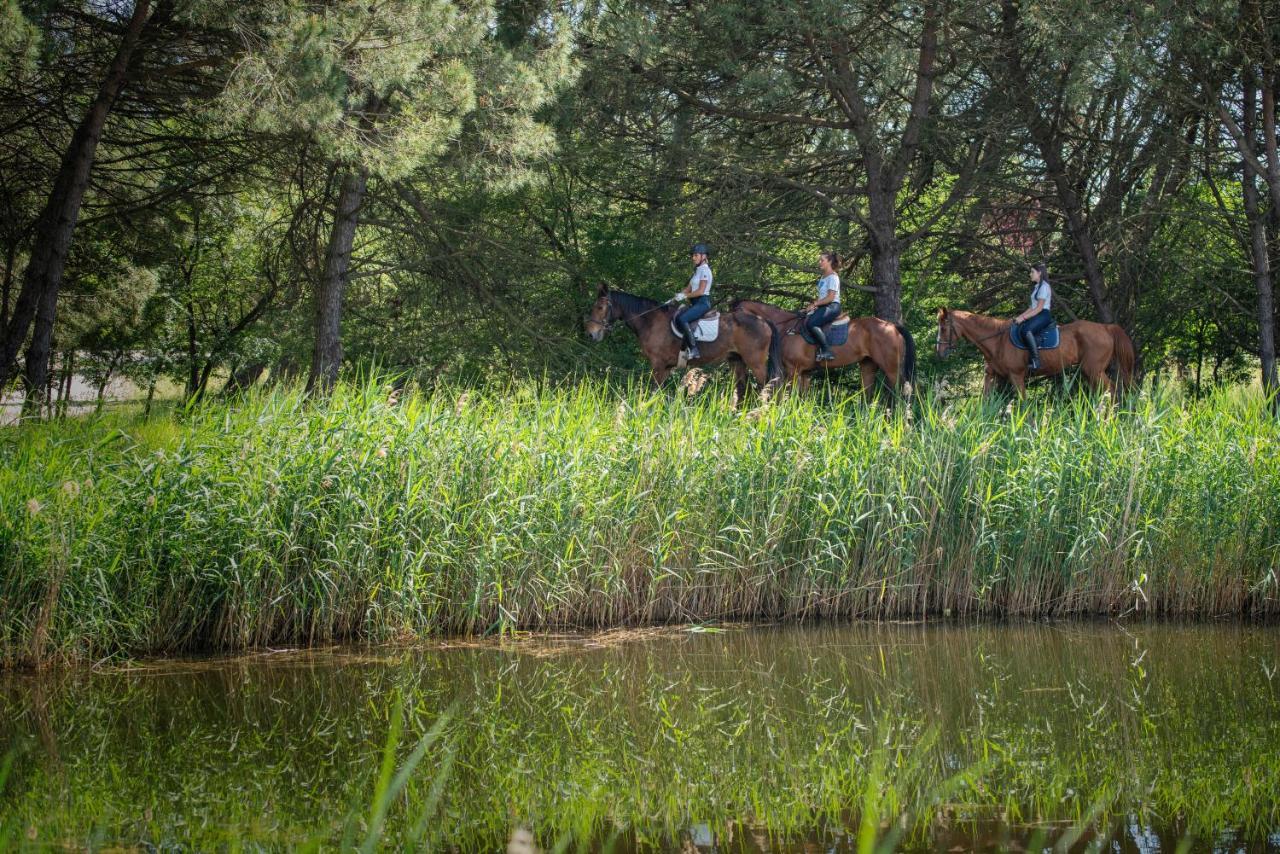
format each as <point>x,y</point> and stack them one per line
<point>19,40</point>
<point>388,85</point>
<point>474,511</point>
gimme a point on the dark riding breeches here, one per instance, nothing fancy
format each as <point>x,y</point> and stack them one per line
<point>687,317</point>
<point>1030,331</point>
<point>1031,328</point>
<point>822,315</point>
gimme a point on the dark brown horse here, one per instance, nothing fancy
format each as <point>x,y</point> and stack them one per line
<point>873,344</point>
<point>1092,346</point>
<point>748,340</point>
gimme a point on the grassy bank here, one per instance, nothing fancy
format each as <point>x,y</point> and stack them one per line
<point>277,521</point>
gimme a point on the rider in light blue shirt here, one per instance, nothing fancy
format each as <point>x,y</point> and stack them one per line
<point>1036,318</point>
<point>826,307</point>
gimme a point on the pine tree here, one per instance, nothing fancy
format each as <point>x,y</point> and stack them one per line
<point>386,88</point>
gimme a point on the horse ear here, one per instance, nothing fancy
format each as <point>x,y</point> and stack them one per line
<point>942,313</point>
<point>603,290</point>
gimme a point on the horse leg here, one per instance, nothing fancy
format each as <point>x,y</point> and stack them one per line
<point>1019,380</point>
<point>1098,378</point>
<point>868,368</point>
<point>989,381</point>
<point>740,383</point>
<point>660,374</point>
<point>758,364</point>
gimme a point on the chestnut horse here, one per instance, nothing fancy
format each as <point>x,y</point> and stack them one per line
<point>747,339</point>
<point>873,344</point>
<point>1092,346</point>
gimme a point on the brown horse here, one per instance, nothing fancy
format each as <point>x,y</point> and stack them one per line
<point>1092,346</point>
<point>748,340</point>
<point>873,344</point>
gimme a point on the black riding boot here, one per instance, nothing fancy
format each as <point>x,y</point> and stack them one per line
<point>690,346</point>
<point>1033,363</point>
<point>824,352</point>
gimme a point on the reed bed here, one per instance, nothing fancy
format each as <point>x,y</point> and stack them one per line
<point>372,516</point>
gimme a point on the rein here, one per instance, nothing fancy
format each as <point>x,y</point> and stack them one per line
<point>613,321</point>
<point>954,338</point>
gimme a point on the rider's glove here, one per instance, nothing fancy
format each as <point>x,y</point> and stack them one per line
<point>680,297</point>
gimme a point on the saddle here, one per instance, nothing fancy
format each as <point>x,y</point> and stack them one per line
<point>837,331</point>
<point>1048,339</point>
<point>706,329</point>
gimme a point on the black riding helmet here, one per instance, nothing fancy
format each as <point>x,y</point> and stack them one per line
<point>699,249</point>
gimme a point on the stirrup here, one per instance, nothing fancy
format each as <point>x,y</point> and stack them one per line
<point>692,353</point>
<point>825,356</point>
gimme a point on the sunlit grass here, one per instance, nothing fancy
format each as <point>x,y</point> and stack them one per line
<point>276,520</point>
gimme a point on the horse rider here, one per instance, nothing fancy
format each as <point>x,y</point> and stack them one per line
<point>698,293</point>
<point>1036,318</point>
<point>826,307</point>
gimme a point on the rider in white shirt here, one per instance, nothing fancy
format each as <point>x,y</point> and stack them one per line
<point>1036,318</point>
<point>826,307</point>
<point>697,292</point>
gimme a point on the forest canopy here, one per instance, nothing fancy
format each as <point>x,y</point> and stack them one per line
<point>213,194</point>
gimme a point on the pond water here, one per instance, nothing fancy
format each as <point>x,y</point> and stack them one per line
<point>920,737</point>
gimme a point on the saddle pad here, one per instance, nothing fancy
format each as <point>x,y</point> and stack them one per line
<point>706,329</point>
<point>1046,340</point>
<point>837,331</point>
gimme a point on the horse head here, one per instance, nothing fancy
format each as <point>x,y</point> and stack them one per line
<point>948,337</point>
<point>601,316</point>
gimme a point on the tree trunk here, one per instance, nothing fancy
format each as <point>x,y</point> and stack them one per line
<point>151,395</point>
<point>326,357</point>
<point>243,377</point>
<point>886,255</point>
<point>205,373</point>
<point>106,379</point>
<point>11,260</point>
<point>1258,248</point>
<point>68,378</point>
<point>193,355</point>
<point>886,277</point>
<point>38,297</point>
<point>1048,140</point>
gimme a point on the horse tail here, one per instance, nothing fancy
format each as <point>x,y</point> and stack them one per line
<point>1125,358</point>
<point>908,368</point>
<point>774,367</point>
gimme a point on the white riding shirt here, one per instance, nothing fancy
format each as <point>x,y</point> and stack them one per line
<point>829,285</point>
<point>1042,291</point>
<point>701,273</point>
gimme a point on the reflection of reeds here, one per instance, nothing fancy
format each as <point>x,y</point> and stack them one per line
<point>890,734</point>
<point>277,521</point>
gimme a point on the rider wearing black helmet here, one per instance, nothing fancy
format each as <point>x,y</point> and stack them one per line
<point>698,293</point>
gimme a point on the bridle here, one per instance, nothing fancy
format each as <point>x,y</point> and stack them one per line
<point>611,320</point>
<point>954,338</point>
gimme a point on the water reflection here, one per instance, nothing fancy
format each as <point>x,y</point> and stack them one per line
<point>769,739</point>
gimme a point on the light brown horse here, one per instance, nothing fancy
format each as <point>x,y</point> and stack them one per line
<point>748,340</point>
<point>1092,346</point>
<point>873,344</point>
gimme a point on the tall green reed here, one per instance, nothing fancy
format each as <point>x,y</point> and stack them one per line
<point>462,510</point>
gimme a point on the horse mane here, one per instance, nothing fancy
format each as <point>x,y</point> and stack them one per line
<point>631,304</point>
<point>983,319</point>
